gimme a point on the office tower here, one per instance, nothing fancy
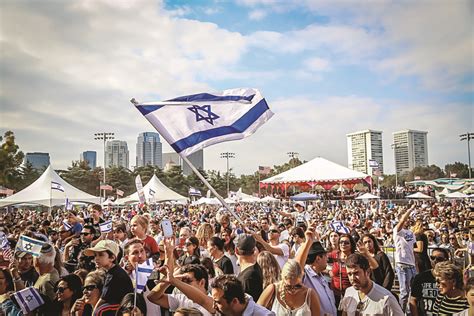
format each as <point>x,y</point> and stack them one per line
<point>410,150</point>
<point>197,159</point>
<point>116,153</point>
<point>364,151</point>
<point>90,157</point>
<point>149,150</point>
<point>39,161</point>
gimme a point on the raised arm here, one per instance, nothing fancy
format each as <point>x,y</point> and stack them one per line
<point>302,254</point>
<point>274,250</point>
<point>404,218</point>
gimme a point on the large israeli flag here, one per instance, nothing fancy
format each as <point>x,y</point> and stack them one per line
<point>192,122</point>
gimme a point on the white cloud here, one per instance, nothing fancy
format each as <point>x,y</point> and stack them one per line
<point>317,64</point>
<point>257,15</point>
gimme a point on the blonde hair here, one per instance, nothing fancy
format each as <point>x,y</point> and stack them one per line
<point>270,268</point>
<point>142,221</point>
<point>291,270</point>
<point>449,271</point>
<point>418,228</point>
<point>204,232</point>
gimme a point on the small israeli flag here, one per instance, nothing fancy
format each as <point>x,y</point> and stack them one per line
<point>66,225</point>
<point>192,122</point>
<point>142,273</point>
<point>28,299</point>
<point>29,245</point>
<point>68,205</point>
<point>57,186</point>
<point>106,227</point>
<point>338,226</point>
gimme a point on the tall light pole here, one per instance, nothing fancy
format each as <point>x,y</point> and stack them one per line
<point>227,155</point>
<point>394,147</point>
<point>292,154</point>
<point>468,137</point>
<point>104,136</point>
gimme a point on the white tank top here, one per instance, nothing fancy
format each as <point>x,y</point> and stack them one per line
<point>281,310</point>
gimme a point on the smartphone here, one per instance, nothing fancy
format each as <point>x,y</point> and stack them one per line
<point>167,228</point>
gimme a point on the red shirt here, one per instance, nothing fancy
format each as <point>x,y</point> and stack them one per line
<point>150,245</point>
<point>340,280</point>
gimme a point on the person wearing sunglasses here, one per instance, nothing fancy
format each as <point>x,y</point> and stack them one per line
<point>451,298</point>
<point>191,252</point>
<point>290,296</point>
<point>366,297</point>
<point>73,251</point>
<point>424,290</point>
<point>92,289</point>
<point>280,250</point>
<point>68,290</point>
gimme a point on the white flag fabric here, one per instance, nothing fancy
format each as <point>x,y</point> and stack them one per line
<point>106,227</point>
<point>28,299</point>
<point>192,122</point>
<point>66,225</point>
<point>139,185</point>
<point>68,205</point>
<point>339,227</point>
<point>57,186</point>
<point>142,273</point>
<point>29,245</point>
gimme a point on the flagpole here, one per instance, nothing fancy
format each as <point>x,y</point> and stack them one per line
<point>50,199</point>
<point>211,188</point>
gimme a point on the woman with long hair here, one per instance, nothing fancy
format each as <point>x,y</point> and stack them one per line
<point>68,290</point>
<point>339,279</point>
<point>191,253</point>
<point>270,268</point>
<point>289,296</point>
<point>203,233</point>
<point>384,274</point>
<point>422,259</point>
<point>6,287</point>
<point>139,229</point>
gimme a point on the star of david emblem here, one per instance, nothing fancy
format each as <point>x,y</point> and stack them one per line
<point>29,298</point>
<point>28,247</point>
<point>204,113</point>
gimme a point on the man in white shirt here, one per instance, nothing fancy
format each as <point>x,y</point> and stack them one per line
<point>281,251</point>
<point>404,240</point>
<point>365,297</point>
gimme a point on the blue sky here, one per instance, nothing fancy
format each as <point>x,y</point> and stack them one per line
<point>327,68</point>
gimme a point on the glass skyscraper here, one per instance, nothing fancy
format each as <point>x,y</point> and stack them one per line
<point>39,161</point>
<point>90,157</point>
<point>149,150</point>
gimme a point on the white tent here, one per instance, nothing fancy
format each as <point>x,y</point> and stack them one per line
<point>41,192</point>
<point>317,170</point>
<point>456,195</point>
<point>208,201</point>
<point>269,199</point>
<point>367,196</point>
<point>419,195</point>
<point>108,202</point>
<point>155,191</point>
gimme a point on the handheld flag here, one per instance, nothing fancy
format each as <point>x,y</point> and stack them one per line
<point>119,192</point>
<point>338,226</point>
<point>192,122</point>
<point>7,252</point>
<point>66,225</point>
<point>142,273</point>
<point>106,227</point>
<point>68,205</point>
<point>28,299</point>
<point>29,245</point>
<point>57,186</point>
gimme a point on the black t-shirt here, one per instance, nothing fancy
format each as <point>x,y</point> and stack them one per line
<point>117,284</point>
<point>225,264</point>
<point>252,281</point>
<point>425,291</point>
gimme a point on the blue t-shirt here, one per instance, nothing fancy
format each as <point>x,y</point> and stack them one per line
<point>77,228</point>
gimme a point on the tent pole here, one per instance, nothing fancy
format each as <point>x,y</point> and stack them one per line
<point>212,189</point>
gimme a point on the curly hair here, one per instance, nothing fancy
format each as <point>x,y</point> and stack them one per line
<point>449,271</point>
<point>270,268</point>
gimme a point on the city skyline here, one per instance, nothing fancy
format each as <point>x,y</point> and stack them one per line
<point>326,69</point>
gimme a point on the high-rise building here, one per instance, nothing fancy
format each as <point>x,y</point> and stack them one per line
<point>90,157</point>
<point>116,154</point>
<point>197,159</point>
<point>149,150</point>
<point>39,161</point>
<point>365,151</point>
<point>411,150</point>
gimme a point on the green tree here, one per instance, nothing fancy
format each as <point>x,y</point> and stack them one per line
<point>80,175</point>
<point>460,169</point>
<point>176,181</point>
<point>193,181</point>
<point>218,182</point>
<point>121,178</point>
<point>425,173</point>
<point>147,172</point>
<point>28,176</point>
<point>293,162</point>
<point>10,159</point>
<point>249,183</point>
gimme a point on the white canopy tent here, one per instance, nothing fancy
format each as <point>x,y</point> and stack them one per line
<point>419,195</point>
<point>318,171</point>
<point>367,196</point>
<point>40,192</point>
<point>269,199</point>
<point>155,191</point>
<point>456,195</point>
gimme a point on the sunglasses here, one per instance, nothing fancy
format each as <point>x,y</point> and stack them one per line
<point>437,258</point>
<point>61,289</point>
<point>85,234</point>
<point>274,231</point>
<point>89,288</point>
<point>293,287</point>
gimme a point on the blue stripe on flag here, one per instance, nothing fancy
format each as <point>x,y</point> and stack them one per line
<point>207,97</point>
<point>31,240</point>
<point>238,127</point>
<point>140,287</point>
<point>145,109</point>
<point>23,303</point>
<point>145,270</point>
<point>39,299</point>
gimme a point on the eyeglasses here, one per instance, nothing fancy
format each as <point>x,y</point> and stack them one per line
<point>274,231</point>
<point>61,289</point>
<point>89,288</point>
<point>344,242</point>
<point>85,234</point>
<point>437,258</point>
<point>293,287</point>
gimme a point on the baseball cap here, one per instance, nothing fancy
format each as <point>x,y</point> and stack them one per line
<point>103,245</point>
<point>246,243</point>
<point>299,204</point>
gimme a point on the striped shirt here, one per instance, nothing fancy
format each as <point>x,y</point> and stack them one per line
<point>447,306</point>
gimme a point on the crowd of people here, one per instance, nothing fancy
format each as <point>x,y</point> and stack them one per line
<point>318,258</point>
